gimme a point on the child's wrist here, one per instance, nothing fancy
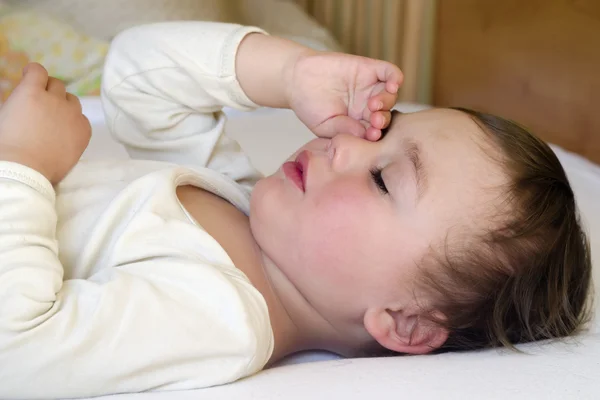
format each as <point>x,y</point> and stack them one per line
<point>17,157</point>
<point>264,68</point>
<point>289,71</point>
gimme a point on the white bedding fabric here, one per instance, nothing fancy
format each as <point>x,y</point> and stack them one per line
<point>553,371</point>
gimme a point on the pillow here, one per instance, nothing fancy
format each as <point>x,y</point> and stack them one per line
<point>27,36</point>
<point>105,18</point>
<point>584,177</point>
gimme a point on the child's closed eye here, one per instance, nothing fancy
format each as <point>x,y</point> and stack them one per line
<point>378,179</point>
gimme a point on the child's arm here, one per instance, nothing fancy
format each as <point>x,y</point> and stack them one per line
<point>155,324</point>
<point>164,86</point>
<point>142,323</point>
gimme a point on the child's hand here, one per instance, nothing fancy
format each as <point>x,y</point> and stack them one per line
<point>335,93</point>
<point>41,125</point>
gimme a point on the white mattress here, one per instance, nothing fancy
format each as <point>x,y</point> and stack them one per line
<point>563,370</point>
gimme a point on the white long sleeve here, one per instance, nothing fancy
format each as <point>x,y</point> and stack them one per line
<point>163,90</point>
<point>106,285</point>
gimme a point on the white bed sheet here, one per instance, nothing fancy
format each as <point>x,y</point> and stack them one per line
<point>562,370</point>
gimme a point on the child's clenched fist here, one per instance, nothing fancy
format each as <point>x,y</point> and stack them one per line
<point>42,126</point>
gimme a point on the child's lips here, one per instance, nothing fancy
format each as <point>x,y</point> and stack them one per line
<point>296,170</point>
<point>303,159</point>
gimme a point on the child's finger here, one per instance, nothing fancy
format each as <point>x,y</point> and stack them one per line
<point>56,87</point>
<point>340,124</point>
<point>72,99</point>
<point>382,101</point>
<point>390,74</point>
<point>373,134</point>
<point>392,87</point>
<point>35,75</point>
<point>380,119</point>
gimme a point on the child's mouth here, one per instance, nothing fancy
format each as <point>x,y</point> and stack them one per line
<point>296,170</point>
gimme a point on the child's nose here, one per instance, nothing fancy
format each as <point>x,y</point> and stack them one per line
<point>350,152</point>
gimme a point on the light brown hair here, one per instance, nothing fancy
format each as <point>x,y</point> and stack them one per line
<point>528,279</point>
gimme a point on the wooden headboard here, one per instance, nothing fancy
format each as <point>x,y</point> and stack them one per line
<point>534,61</point>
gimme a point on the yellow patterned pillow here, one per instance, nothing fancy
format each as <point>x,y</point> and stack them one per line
<point>26,36</point>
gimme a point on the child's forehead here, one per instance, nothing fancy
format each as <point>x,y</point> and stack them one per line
<point>437,127</point>
<point>453,152</point>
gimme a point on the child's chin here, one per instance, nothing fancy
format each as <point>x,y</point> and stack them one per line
<point>263,192</point>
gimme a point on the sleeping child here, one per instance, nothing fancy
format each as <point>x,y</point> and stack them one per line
<point>183,268</point>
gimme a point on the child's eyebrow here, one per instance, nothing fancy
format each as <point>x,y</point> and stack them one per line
<point>413,152</point>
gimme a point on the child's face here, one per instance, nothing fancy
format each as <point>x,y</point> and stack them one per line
<point>344,243</point>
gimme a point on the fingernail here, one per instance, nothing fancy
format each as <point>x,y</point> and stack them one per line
<point>395,88</point>
<point>379,105</point>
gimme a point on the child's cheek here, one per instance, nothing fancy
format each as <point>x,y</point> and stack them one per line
<point>337,219</point>
<point>343,196</point>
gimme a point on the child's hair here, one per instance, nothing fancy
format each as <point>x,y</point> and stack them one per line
<point>527,279</point>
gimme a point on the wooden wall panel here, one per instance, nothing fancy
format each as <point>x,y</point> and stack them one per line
<point>535,61</point>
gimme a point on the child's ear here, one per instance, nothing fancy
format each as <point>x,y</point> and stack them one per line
<point>404,331</point>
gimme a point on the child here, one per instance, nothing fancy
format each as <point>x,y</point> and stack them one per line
<point>457,230</point>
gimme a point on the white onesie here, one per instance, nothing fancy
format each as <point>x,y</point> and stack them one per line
<point>106,284</point>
